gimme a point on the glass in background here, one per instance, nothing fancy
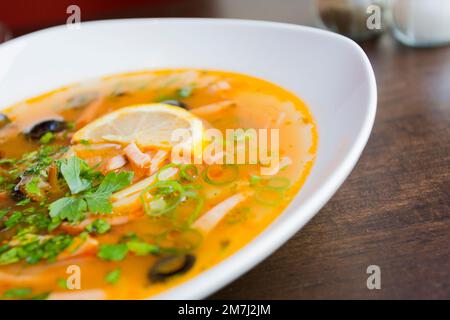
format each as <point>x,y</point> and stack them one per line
<point>350,17</point>
<point>421,23</point>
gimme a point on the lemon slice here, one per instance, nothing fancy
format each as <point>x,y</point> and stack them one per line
<point>147,125</point>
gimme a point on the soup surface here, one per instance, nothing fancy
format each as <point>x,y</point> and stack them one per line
<point>94,204</point>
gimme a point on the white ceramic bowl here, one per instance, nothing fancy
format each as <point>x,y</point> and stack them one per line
<point>330,72</point>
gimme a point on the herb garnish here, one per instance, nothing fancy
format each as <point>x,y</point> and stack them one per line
<point>113,276</point>
<point>113,252</point>
<point>85,196</point>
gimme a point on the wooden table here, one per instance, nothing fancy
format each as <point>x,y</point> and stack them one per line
<point>394,209</point>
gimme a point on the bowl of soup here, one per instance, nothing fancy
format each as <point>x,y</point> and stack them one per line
<point>163,158</point>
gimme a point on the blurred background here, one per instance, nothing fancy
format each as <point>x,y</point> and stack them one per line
<point>24,16</point>
<point>413,22</point>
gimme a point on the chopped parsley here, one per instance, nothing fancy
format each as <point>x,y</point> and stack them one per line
<point>99,226</point>
<point>85,142</point>
<point>113,276</point>
<point>23,202</point>
<point>185,91</point>
<point>113,252</point>
<point>23,293</point>
<point>17,293</point>
<point>62,283</point>
<point>3,213</point>
<point>140,248</point>
<point>47,138</point>
<point>14,219</point>
<point>32,187</point>
<point>85,197</point>
<point>35,249</point>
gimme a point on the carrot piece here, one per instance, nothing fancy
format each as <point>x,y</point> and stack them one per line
<point>4,195</point>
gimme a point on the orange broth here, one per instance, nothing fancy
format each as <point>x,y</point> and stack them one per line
<point>259,104</point>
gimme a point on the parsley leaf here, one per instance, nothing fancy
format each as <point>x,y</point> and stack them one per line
<point>23,293</point>
<point>36,250</point>
<point>71,209</point>
<point>113,276</point>
<point>14,219</point>
<point>9,256</point>
<point>62,283</point>
<point>32,187</point>
<point>99,226</point>
<point>114,182</point>
<point>86,197</point>
<point>71,170</point>
<point>113,252</point>
<point>3,213</point>
<point>17,293</point>
<point>98,202</point>
<point>142,248</point>
<point>47,138</point>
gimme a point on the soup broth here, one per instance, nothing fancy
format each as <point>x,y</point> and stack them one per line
<point>104,215</point>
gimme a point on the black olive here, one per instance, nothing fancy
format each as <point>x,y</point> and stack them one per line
<point>4,120</point>
<point>38,130</point>
<point>120,93</point>
<point>17,194</point>
<point>170,265</point>
<point>176,103</point>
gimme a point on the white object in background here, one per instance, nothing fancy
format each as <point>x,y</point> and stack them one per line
<point>421,23</point>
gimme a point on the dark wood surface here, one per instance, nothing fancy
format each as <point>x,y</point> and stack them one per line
<point>394,209</point>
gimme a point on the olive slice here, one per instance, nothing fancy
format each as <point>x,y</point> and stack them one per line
<point>4,120</point>
<point>170,265</point>
<point>17,194</point>
<point>41,128</point>
<point>176,103</point>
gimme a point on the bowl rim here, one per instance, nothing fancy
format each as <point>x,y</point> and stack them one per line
<point>272,237</point>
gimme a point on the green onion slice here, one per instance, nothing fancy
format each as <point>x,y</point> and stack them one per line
<point>199,201</point>
<point>165,197</point>
<point>189,172</point>
<point>221,174</point>
<point>269,196</point>
<point>278,183</point>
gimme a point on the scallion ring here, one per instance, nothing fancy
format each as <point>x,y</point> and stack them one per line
<point>163,190</point>
<point>278,183</point>
<point>268,196</point>
<point>230,171</point>
<point>189,172</point>
<point>198,206</point>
